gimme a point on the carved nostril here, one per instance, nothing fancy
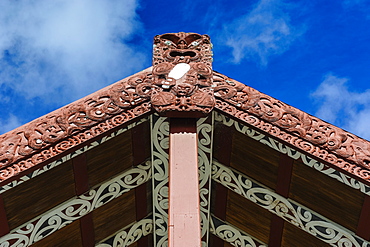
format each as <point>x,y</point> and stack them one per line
<point>182,54</point>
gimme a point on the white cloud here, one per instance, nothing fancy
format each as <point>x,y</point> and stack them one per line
<point>343,107</point>
<point>61,50</point>
<point>265,31</point>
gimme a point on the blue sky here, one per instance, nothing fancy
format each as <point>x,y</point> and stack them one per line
<point>311,54</point>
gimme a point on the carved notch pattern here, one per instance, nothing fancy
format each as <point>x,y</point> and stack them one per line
<point>309,221</point>
<point>75,139</point>
<point>190,91</point>
<point>233,235</point>
<point>293,153</point>
<point>275,117</point>
<point>160,145</point>
<point>75,208</point>
<point>79,122</point>
<point>130,234</point>
<point>205,141</point>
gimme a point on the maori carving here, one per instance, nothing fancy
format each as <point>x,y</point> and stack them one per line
<point>240,100</point>
<point>181,83</point>
<point>81,115</point>
<point>287,209</point>
<point>42,154</point>
<point>205,141</point>
<point>129,235</point>
<point>13,170</point>
<point>295,154</point>
<point>356,169</point>
<point>160,147</point>
<point>182,75</point>
<point>233,235</point>
<point>64,214</point>
<point>191,93</point>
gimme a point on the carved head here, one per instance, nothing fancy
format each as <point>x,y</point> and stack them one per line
<point>182,72</point>
<point>182,48</point>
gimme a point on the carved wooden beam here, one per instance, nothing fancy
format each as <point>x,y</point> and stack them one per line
<point>81,121</point>
<point>182,84</point>
<point>310,134</point>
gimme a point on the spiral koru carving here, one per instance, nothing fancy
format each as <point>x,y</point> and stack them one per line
<point>240,100</point>
<point>181,83</point>
<point>95,114</point>
<point>182,75</point>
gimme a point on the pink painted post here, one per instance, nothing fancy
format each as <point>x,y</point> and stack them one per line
<point>184,215</point>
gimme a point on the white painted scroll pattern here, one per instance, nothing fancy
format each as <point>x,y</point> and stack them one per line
<point>205,141</point>
<point>69,156</point>
<point>287,209</point>
<point>129,234</point>
<point>75,208</point>
<point>233,235</point>
<point>160,146</point>
<point>282,148</point>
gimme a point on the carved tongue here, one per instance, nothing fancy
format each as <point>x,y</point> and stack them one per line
<point>179,70</point>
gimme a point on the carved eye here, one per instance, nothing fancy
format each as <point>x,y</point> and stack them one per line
<point>195,43</point>
<point>167,42</point>
<point>192,37</point>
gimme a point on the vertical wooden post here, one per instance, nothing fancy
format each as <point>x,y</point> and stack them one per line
<point>184,214</point>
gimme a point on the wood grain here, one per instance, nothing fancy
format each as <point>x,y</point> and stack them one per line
<point>295,237</point>
<point>248,216</point>
<point>326,196</point>
<point>36,196</point>
<point>109,159</point>
<point>114,215</point>
<point>255,159</point>
<point>67,236</point>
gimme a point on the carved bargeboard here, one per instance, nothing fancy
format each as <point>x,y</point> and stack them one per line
<point>181,83</point>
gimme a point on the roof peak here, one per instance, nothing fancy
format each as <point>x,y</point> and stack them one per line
<point>193,92</point>
<point>189,56</point>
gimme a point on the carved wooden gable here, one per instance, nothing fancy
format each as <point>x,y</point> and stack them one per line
<point>95,172</point>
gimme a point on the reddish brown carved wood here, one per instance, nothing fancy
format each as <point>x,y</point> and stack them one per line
<point>189,93</point>
<point>192,93</point>
<point>72,141</point>
<point>322,139</point>
<point>81,115</point>
<point>75,117</point>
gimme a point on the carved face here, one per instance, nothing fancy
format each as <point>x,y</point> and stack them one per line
<point>183,89</point>
<point>182,69</point>
<point>182,40</point>
<point>181,48</point>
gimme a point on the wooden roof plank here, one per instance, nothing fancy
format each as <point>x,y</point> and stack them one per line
<point>4,225</point>
<point>288,209</point>
<point>37,141</point>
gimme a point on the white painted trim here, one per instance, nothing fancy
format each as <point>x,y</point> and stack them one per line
<point>73,209</point>
<point>291,211</point>
<point>284,149</point>
<point>232,234</point>
<point>70,156</point>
